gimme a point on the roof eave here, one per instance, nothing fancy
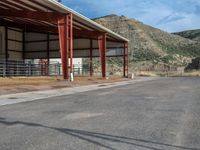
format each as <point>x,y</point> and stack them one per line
<point>68,10</point>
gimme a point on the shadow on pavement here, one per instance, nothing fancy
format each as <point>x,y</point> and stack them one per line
<point>91,136</point>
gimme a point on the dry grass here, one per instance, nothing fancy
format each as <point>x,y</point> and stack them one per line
<point>146,74</point>
<point>25,84</point>
<point>49,80</point>
<point>27,80</point>
<point>193,73</point>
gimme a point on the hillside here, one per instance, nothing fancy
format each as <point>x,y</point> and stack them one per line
<point>150,45</point>
<point>190,34</point>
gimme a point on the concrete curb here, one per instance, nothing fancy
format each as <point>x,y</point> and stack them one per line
<point>37,95</point>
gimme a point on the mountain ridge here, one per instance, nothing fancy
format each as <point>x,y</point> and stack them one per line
<point>151,44</point>
<point>190,34</point>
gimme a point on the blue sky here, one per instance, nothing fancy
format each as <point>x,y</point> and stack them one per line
<point>168,15</point>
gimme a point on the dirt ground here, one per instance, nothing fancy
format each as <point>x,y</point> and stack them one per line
<point>25,84</point>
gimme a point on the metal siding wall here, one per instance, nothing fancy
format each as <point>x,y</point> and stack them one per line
<point>54,54</point>
<point>81,43</point>
<point>111,52</point>
<point>36,55</point>
<point>15,35</point>
<point>31,36</point>
<point>96,53</point>
<point>114,44</point>
<point>53,46</point>
<point>115,52</point>
<point>36,46</point>
<point>34,49</point>
<point>54,49</point>
<point>108,44</point>
<point>15,44</point>
<point>2,47</point>
<point>95,44</point>
<point>37,50</point>
<point>53,37</point>
<point>14,55</point>
<point>81,53</point>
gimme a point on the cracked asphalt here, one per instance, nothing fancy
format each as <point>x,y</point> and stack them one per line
<point>163,114</point>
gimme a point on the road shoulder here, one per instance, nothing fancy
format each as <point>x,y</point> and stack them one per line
<point>37,95</point>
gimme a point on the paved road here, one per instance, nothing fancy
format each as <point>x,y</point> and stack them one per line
<point>153,115</point>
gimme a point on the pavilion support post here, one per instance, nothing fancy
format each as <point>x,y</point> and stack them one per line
<point>125,60</point>
<point>71,47</point>
<point>91,55</point>
<point>102,52</point>
<point>23,45</point>
<point>6,51</point>
<point>48,53</point>
<point>63,40</point>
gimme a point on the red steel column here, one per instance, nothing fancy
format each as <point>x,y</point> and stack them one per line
<point>102,48</point>
<point>91,55</point>
<point>63,40</point>
<point>124,61</point>
<point>48,52</point>
<point>71,44</point>
<point>104,56</point>
<point>127,60</point>
<point>67,34</point>
<point>7,53</point>
<point>125,57</point>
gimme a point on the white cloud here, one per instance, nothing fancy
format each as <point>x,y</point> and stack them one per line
<point>189,22</point>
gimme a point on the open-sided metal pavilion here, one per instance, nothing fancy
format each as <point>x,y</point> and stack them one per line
<point>44,29</point>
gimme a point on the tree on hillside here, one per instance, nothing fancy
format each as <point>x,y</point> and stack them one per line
<point>194,65</point>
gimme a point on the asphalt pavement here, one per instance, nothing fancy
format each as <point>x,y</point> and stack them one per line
<point>161,114</point>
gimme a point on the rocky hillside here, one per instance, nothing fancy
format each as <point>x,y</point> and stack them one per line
<point>190,34</point>
<point>150,45</point>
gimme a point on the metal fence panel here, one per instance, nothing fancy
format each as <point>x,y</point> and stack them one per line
<point>28,68</point>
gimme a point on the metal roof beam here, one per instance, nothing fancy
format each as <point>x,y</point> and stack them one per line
<point>44,6</point>
<point>15,5</point>
<point>36,15</point>
<point>32,26</point>
<point>27,5</point>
